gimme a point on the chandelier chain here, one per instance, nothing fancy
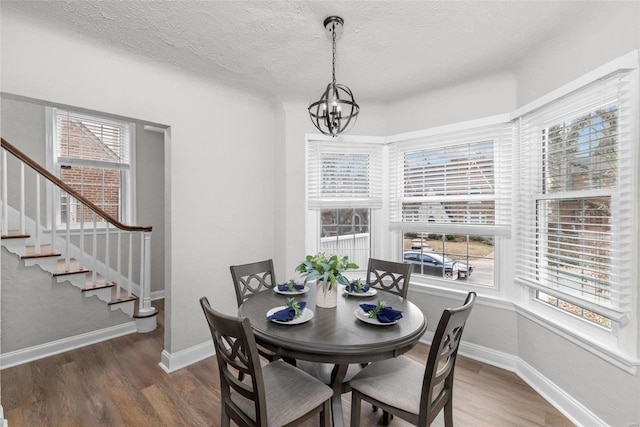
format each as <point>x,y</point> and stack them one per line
<point>333,33</point>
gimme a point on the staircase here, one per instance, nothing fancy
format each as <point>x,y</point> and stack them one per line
<point>96,256</point>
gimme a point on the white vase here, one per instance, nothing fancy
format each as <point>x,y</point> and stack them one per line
<point>326,298</point>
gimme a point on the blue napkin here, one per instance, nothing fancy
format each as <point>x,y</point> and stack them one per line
<point>385,314</point>
<point>286,314</point>
<point>285,288</point>
<point>351,287</point>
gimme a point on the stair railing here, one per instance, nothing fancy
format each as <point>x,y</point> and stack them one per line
<point>86,206</point>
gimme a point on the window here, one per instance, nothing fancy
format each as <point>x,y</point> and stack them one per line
<point>450,199</point>
<point>344,187</point>
<point>577,203</point>
<point>92,155</point>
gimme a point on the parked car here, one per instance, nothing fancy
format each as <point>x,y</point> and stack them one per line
<point>432,264</point>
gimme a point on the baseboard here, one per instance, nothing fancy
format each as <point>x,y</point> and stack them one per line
<point>157,295</point>
<point>170,362</point>
<point>18,357</point>
<point>576,412</point>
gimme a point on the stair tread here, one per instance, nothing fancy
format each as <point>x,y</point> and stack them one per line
<point>15,234</point>
<point>137,315</point>
<point>74,268</point>
<point>45,251</point>
<point>123,297</point>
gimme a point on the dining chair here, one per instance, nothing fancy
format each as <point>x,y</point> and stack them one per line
<point>389,276</point>
<point>391,384</point>
<point>249,279</point>
<point>276,394</point>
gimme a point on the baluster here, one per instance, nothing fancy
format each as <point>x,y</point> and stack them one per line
<point>108,277</point>
<point>130,272</point>
<point>23,228</point>
<point>5,206</point>
<point>54,219</point>
<point>95,250</point>
<point>38,231</point>
<point>83,258</point>
<point>118,261</point>
<point>67,258</point>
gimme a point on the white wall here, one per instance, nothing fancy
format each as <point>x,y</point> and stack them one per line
<point>220,167</point>
<point>483,97</point>
<point>583,45</point>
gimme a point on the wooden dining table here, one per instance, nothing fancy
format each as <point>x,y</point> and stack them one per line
<point>335,335</point>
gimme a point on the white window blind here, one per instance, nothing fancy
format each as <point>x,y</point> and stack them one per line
<point>576,198</point>
<point>344,175</point>
<point>91,138</point>
<point>454,182</point>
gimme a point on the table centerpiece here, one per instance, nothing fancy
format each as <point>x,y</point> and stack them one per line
<point>327,272</point>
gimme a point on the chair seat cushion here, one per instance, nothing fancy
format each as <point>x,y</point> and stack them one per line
<point>290,394</point>
<point>396,382</point>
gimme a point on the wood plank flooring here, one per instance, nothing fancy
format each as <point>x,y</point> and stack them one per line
<point>119,383</point>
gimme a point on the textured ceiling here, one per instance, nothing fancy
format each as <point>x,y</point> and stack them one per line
<point>278,48</point>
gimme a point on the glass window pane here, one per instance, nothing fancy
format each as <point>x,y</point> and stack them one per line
<point>346,232</point>
<point>454,257</point>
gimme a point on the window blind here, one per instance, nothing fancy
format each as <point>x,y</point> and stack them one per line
<point>344,175</point>
<point>576,198</point>
<point>90,138</point>
<point>449,182</point>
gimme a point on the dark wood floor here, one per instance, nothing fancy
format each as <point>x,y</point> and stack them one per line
<point>119,383</point>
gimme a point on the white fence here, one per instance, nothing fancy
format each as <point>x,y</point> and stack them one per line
<point>355,246</point>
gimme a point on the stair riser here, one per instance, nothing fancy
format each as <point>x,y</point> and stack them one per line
<point>49,264</point>
<point>103,294</point>
<point>78,280</point>
<point>16,246</point>
<point>126,307</point>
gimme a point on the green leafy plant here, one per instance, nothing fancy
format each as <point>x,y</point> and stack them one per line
<point>291,302</point>
<point>291,285</point>
<point>328,270</point>
<point>379,306</point>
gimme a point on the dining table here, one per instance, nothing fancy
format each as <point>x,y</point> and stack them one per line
<point>338,336</point>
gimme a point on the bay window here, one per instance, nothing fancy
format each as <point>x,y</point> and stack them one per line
<point>577,202</point>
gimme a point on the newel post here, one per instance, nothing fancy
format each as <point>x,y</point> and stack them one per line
<point>146,316</point>
<point>145,275</point>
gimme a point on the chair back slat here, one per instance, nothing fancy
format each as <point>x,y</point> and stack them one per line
<point>251,278</point>
<point>438,376</point>
<point>236,351</point>
<point>389,276</point>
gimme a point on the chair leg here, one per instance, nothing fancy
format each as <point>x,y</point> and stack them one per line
<point>448,414</point>
<point>386,418</point>
<point>356,404</point>
<point>325,414</point>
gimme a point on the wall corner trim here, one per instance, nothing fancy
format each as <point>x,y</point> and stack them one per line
<point>171,362</point>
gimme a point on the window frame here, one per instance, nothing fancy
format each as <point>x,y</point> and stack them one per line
<point>127,206</point>
<point>619,345</point>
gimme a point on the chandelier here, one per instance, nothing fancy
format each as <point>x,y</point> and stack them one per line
<point>336,111</point>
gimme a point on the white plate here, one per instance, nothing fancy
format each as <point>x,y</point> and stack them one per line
<point>364,316</point>
<point>371,292</point>
<point>304,317</point>
<point>303,291</point>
